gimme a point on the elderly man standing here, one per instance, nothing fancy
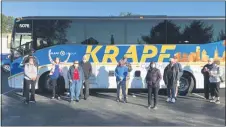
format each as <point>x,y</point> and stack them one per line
<point>126,63</point>
<point>87,69</point>
<point>170,78</point>
<point>76,78</point>
<point>121,72</point>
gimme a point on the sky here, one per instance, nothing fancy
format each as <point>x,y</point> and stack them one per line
<point>19,9</point>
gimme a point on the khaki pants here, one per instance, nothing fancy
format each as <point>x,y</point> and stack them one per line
<point>127,84</point>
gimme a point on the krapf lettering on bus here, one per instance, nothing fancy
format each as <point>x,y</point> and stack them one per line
<point>131,53</point>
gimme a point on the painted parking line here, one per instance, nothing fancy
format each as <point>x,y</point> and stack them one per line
<point>198,95</point>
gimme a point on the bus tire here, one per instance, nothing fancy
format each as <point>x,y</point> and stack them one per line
<point>44,84</point>
<point>6,68</point>
<point>61,85</point>
<point>187,84</point>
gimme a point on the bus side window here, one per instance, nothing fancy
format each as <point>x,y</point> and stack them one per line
<point>111,73</point>
<point>137,73</point>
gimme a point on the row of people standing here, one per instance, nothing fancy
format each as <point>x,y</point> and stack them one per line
<point>80,72</point>
<point>78,75</point>
<point>171,78</point>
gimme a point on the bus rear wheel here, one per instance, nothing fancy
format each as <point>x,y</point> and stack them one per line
<point>187,84</point>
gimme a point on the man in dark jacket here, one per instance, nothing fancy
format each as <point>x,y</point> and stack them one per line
<point>170,78</point>
<point>87,69</point>
<point>205,72</point>
<point>76,78</point>
<point>153,78</point>
<point>180,73</point>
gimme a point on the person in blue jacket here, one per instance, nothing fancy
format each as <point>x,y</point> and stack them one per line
<point>121,72</point>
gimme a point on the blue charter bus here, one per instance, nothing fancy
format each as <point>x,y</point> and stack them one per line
<point>105,40</point>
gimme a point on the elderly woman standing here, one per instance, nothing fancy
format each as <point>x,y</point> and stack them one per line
<point>215,80</point>
<point>153,78</point>
<point>55,73</point>
<point>30,76</point>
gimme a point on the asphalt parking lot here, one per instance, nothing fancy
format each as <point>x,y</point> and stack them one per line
<point>102,110</point>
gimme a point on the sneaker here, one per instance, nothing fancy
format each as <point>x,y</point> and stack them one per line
<point>26,102</point>
<point>117,100</point>
<point>52,97</point>
<point>149,107</point>
<point>155,107</point>
<point>77,100</point>
<point>58,98</point>
<point>217,101</point>
<point>173,100</point>
<point>168,100</point>
<point>212,100</point>
<point>125,101</point>
<point>134,95</point>
<point>32,101</point>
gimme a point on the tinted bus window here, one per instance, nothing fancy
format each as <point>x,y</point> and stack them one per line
<point>105,32</point>
<point>52,31</point>
<point>195,31</point>
<point>146,32</point>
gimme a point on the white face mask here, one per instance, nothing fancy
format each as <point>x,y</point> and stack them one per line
<point>153,66</point>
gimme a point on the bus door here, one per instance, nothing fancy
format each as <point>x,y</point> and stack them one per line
<point>21,46</point>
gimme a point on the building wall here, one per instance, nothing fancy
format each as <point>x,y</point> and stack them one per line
<point>5,43</point>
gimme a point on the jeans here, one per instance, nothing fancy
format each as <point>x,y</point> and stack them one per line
<point>75,89</point>
<point>27,89</point>
<point>171,91</point>
<point>121,84</point>
<point>127,85</point>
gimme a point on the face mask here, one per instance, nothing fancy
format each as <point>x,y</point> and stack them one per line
<point>153,66</point>
<point>76,65</point>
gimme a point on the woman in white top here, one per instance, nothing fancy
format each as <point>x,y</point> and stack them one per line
<point>30,76</point>
<point>215,81</point>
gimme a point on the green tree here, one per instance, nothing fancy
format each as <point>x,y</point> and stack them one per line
<point>165,32</point>
<point>197,32</point>
<point>7,23</point>
<point>127,14</point>
<point>221,36</point>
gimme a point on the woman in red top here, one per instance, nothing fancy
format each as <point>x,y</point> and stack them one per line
<point>76,78</point>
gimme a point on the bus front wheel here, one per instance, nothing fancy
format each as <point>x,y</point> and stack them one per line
<point>187,84</point>
<point>45,85</point>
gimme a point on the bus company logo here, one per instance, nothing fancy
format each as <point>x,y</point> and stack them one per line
<point>24,25</point>
<point>60,53</point>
